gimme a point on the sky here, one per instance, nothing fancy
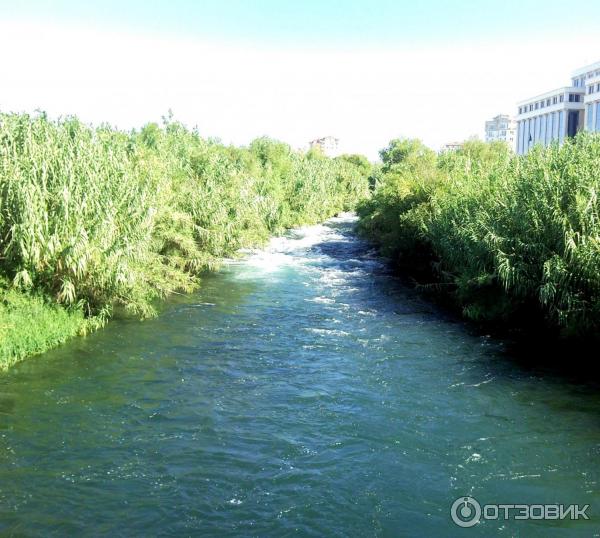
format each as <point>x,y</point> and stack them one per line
<point>363,71</point>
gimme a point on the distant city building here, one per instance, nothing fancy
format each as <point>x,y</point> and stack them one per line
<point>451,146</point>
<point>328,145</point>
<point>501,129</point>
<point>561,113</point>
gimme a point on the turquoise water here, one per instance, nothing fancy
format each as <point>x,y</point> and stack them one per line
<point>303,391</point>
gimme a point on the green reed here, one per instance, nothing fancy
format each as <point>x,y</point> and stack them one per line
<point>508,238</point>
<point>94,219</point>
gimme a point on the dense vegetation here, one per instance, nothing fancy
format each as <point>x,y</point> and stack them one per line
<point>96,219</point>
<point>506,238</point>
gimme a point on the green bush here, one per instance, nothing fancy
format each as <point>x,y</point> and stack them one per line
<point>96,218</point>
<point>507,235</point>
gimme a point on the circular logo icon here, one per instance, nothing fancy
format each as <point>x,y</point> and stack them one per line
<point>466,512</point>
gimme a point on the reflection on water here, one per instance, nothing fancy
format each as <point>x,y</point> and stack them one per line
<point>301,391</point>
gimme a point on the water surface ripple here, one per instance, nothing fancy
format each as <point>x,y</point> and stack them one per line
<point>303,391</point>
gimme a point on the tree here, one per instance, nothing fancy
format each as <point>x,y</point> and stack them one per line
<point>405,153</point>
<point>360,161</point>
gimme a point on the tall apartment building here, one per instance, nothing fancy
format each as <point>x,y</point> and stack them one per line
<point>328,145</point>
<point>561,113</point>
<point>501,128</point>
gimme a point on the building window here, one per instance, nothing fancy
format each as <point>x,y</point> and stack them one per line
<point>589,110</point>
<point>562,98</point>
<point>598,116</point>
<point>573,123</point>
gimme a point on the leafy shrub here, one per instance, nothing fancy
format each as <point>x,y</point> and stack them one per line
<point>94,218</point>
<point>509,235</point>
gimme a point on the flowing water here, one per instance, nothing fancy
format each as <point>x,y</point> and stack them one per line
<point>303,391</point>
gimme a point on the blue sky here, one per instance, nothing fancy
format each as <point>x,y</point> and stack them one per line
<point>364,71</point>
<point>323,22</point>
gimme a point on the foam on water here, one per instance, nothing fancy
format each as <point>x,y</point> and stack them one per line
<point>298,241</point>
<point>311,249</point>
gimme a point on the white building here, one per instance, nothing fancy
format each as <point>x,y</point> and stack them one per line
<point>561,113</point>
<point>328,145</point>
<point>588,77</point>
<point>549,117</point>
<point>502,128</point>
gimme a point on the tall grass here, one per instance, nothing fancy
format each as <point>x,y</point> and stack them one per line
<point>507,237</point>
<point>95,219</point>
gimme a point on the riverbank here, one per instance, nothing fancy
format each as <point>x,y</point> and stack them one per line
<point>510,241</point>
<point>97,220</point>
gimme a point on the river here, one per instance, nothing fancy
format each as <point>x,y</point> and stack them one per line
<point>303,391</point>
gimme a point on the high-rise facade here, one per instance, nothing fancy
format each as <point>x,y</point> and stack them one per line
<point>502,128</point>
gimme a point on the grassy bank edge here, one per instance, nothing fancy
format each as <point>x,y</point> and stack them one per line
<point>30,325</point>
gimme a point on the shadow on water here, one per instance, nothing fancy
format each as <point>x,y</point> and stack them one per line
<point>556,359</point>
